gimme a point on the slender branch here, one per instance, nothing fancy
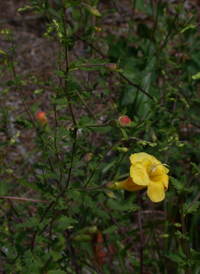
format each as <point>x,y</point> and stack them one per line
<point>50,232</point>
<point>136,86</point>
<point>191,178</point>
<point>68,98</point>
<point>100,125</point>
<point>196,198</point>
<point>122,230</point>
<point>74,256</point>
<point>94,263</point>
<point>86,105</point>
<point>153,8</point>
<point>101,161</point>
<point>23,199</point>
<point>175,103</point>
<point>35,233</point>
<point>94,269</point>
<point>89,44</point>
<point>141,234</point>
<point>56,122</point>
<point>184,232</point>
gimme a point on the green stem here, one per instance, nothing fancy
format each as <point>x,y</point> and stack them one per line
<point>184,232</point>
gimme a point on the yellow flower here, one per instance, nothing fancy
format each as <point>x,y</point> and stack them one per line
<point>145,171</point>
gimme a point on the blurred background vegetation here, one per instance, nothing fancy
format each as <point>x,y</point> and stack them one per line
<point>52,59</point>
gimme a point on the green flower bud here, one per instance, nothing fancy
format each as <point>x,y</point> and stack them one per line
<point>110,194</point>
<point>90,230</point>
<point>92,10</point>
<point>123,149</point>
<point>82,238</point>
<point>88,157</point>
<point>111,67</point>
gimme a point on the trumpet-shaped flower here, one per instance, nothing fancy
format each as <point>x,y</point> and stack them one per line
<point>145,171</point>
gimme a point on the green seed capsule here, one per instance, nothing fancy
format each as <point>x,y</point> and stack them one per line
<point>111,67</point>
<point>92,10</point>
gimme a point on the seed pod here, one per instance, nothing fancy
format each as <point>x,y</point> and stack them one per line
<point>110,194</point>
<point>90,230</point>
<point>111,67</point>
<point>123,149</point>
<point>92,10</point>
<point>124,121</point>
<point>82,238</point>
<point>88,157</point>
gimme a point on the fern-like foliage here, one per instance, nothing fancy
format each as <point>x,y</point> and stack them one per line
<point>177,257</point>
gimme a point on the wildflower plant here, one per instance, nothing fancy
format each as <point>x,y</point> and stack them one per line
<point>100,151</point>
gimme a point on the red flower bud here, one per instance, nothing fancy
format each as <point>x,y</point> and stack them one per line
<point>124,121</point>
<point>41,117</point>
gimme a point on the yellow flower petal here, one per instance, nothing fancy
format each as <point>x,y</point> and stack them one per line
<point>129,185</point>
<point>156,191</point>
<point>160,169</point>
<point>141,157</point>
<point>139,174</point>
<point>164,179</point>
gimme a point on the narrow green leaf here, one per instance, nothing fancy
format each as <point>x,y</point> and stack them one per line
<point>189,27</point>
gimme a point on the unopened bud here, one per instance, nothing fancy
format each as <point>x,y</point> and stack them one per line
<point>82,238</point>
<point>110,194</point>
<point>124,121</point>
<point>111,67</point>
<point>90,230</point>
<point>123,149</point>
<point>93,229</point>
<point>92,10</point>
<point>41,117</point>
<point>88,157</point>
<point>154,138</point>
<point>177,225</point>
<point>164,236</point>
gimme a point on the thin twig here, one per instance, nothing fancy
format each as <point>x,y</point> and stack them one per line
<point>136,86</point>
<point>141,233</point>
<point>85,104</point>
<point>122,230</point>
<point>69,99</point>
<point>196,198</point>
<point>23,199</point>
<point>184,229</point>
<point>94,269</point>
<point>101,161</point>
